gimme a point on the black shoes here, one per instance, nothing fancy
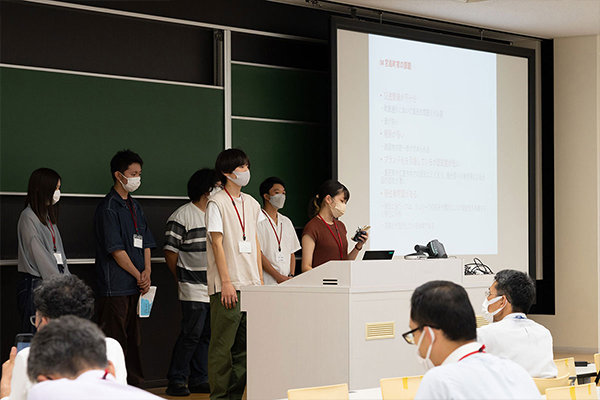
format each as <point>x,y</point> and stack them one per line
<point>177,389</point>
<point>201,388</point>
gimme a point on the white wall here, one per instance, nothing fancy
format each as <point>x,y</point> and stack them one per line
<point>576,168</point>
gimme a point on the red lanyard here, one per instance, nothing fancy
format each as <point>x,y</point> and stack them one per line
<point>242,223</point>
<point>481,350</point>
<point>52,233</point>
<point>275,231</point>
<point>132,211</point>
<point>334,238</point>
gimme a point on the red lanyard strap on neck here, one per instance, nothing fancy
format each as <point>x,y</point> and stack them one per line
<point>242,223</point>
<point>275,231</point>
<point>339,243</point>
<point>481,350</point>
<point>132,211</point>
<point>52,233</point>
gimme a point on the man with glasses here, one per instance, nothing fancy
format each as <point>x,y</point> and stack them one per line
<point>442,326</point>
<point>56,297</point>
<point>512,335</point>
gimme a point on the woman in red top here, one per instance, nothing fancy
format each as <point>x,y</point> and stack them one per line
<point>324,237</point>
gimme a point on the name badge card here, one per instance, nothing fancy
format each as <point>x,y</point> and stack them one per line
<point>59,259</point>
<point>245,246</point>
<point>138,241</point>
<point>280,258</point>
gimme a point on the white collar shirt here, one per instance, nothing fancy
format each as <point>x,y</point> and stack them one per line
<point>523,341</point>
<point>269,245</point>
<point>468,373</point>
<point>91,385</point>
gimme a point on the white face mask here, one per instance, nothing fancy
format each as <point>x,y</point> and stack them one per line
<point>132,183</point>
<point>242,178</point>
<point>56,196</point>
<point>214,191</point>
<point>338,209</point>
<point>426,362</point>
<point>489,316</point>
<point>277,200</point>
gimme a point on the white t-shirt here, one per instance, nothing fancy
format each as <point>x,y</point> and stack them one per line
<point>477,376</point>
<point>91,385</point>
<point>523,341</point>
<point>20,384</point>
<point>268,233</point>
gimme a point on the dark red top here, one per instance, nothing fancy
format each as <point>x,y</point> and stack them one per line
<point>326,244</point>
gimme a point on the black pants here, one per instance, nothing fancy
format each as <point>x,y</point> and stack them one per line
<point>189,362</point>
<point>117,317</point>
<point>25,287</point>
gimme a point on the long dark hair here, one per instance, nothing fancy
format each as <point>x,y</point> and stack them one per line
<point>42,184</point>
<point>330,187</point>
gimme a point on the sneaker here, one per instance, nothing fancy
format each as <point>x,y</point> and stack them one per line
<point>201,388</point>
<point>177,389</point>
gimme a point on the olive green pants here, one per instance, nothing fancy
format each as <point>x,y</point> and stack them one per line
<point>227,350</point>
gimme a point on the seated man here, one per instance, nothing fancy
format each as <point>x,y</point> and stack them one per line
<point>58,296</point>
<point>443,327</point>
<point>513,335</point>
<point>68,358</point>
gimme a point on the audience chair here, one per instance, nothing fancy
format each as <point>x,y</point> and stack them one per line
<point>481,321</point>
<point>581,392</point>
<point>545,383</point>
<point>333,392</point>
<point>567,366</point>
<point>404,388</point>
<point>597,363</point>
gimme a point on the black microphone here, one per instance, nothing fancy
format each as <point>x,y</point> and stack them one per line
<point>421,249</point>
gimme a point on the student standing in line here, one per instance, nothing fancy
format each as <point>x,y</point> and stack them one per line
<point>185,254</point>
<point>40,249</point>
<point>123,243</point>
<point>276,234</point>
<point>234,261</point>
<point>324,236</point>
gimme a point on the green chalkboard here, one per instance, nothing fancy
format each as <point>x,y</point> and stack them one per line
<point>293,152</point>
<point>74,124</point>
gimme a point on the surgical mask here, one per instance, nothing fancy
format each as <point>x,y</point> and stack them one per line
<point>242,178</point>
<point>277,200</point>
<point>489,316</point>
<point>132,183</point>
<point>214,191</point>
<point>55,196</point>
<point>426,362</point>
<point>338,209</point>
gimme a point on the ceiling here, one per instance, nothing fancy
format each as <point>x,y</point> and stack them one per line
<point>540,18</point>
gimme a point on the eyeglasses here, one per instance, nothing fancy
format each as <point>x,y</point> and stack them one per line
<point>488,293</point>
<point>32,320</point>
<point>410,337</point>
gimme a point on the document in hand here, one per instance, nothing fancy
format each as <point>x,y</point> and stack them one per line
<point>145,303</point>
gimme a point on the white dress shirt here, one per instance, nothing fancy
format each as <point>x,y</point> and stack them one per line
<point>469,374</point>
<point>20,383</point>
<point>91,385</point>
<point>523,341</point>
<point>280,260</point>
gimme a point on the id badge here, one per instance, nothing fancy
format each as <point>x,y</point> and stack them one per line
<point>138,241</point>
<point>245,246</point>
<point>58,257</point>
<point>280,258</point>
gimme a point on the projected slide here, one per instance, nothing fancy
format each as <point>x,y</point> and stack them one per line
<point>432,146</point>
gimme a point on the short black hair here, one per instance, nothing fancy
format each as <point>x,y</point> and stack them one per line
<point>201,182</point>
<point>64,295</point>
<point>267,184</point>
<point>122,160</point>
<point>228,160</point>
<point>66,346</point>
<point>518,288</point>
<point>444,305</point>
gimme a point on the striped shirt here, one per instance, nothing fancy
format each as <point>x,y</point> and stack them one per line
<point>186,235</point>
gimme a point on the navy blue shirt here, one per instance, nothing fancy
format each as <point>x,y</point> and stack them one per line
<point>114,228</point>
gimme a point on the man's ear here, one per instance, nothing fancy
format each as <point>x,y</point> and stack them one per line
<point>111,368</point>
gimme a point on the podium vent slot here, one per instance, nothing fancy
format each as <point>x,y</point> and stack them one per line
<point>379,330</point>
<point>330,282</point>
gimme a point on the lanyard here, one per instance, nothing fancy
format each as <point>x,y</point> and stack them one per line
<point>132,211</point>
<point>275,231</point>
<point>105,373</point>
<point>52,233</point>
<point>334,238</point>
<point>242,223</point>
<point>481,350</point>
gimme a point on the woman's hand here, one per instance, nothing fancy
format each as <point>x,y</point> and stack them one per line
<point>362,238</point>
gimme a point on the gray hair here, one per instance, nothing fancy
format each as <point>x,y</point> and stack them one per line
<point>66,347</point>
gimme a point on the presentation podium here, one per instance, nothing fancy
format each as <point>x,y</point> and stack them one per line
<point>339,323</point>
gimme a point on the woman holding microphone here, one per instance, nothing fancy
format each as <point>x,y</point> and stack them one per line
<point>40,252</point>
<point>324,236</point>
